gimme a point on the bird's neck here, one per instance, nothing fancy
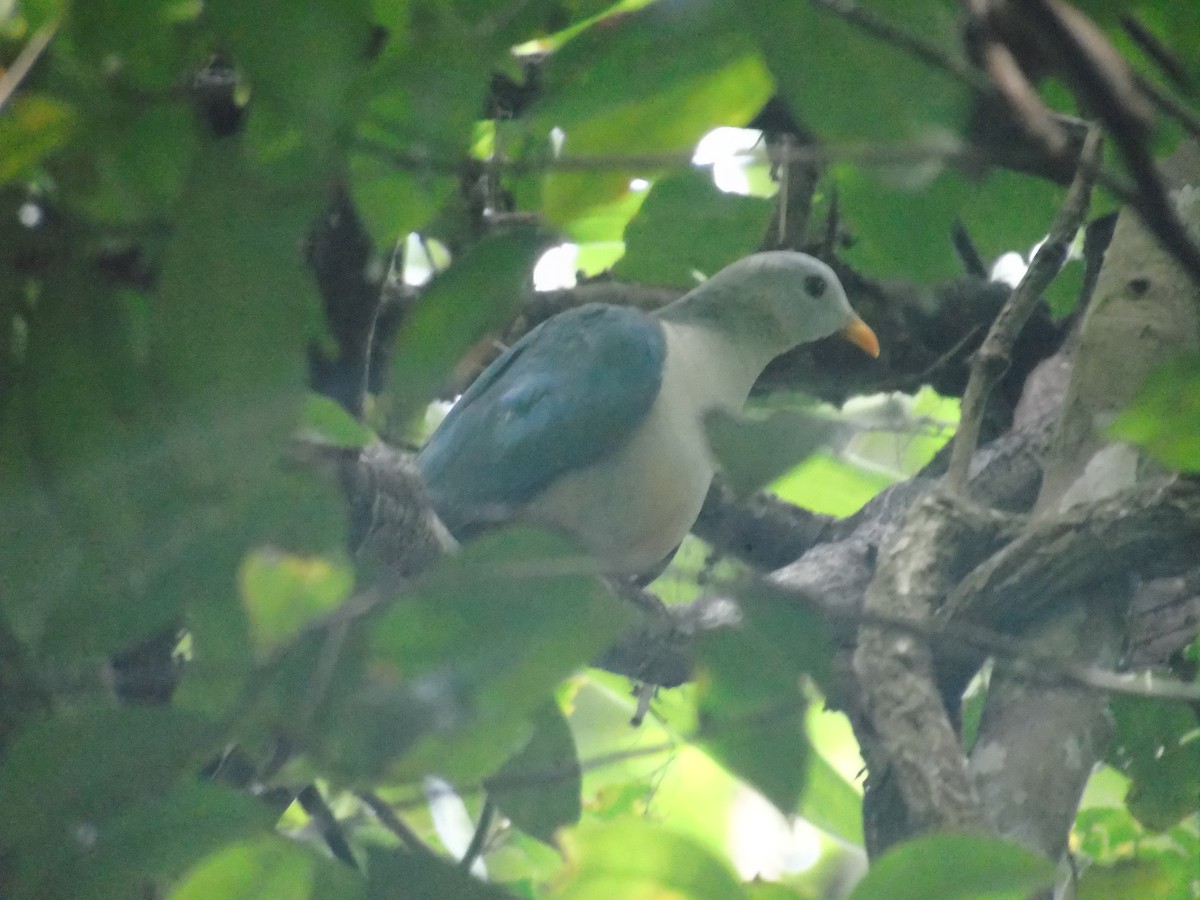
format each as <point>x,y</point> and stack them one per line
<point>720,369</point>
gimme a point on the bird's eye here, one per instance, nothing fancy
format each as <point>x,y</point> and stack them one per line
<point>815,285</point>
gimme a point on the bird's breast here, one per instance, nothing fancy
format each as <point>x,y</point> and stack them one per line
<point>635,505</point>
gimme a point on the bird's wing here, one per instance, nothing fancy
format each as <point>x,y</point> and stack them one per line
<point>568,393</point>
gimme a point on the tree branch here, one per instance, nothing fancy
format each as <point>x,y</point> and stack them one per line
<point>896,673</point>
<point>1148,531</point>
<point>991,360</point>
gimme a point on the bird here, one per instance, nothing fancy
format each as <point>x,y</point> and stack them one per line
<point>592,424</point>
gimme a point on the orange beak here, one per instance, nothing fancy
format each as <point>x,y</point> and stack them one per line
<point>860,334</point>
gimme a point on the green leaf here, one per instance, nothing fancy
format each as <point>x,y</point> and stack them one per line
<point>142,164</point>
<point>767,890</point>
<point>305,64</point>
<point>845,84</point>
<point>903,231</point>
<point>1009,211</point>
<point>85,770</point>
<point>1131,878</point>
<point>393,202</point>
<point>479,293</point>
<point>672,121</point>
<point>1174,26</point>
<point>140,42</point>
<point>1165,416</point>
<point>638,858</point>
<point>402,874</point>
<point>825,484</point>
<point>268,867</point>
<point>954,866</point>
<point>636,56</point>
<point>33,126</point>
<point>233,315</point>
<point>428,88</point>
<point>325,421</point>
<point>539,787</point>
<point>652,80</point>
<point>157,840</point>
<point>830,802</point>
<point>754,452</point>
<point>1155,746</point>
<point>687,225</point>
<point>1062,296</point>
<point>1103,833</point>
<point>751,705</point>
<point>902,219</point>
<point>490,631</point>
<point>283,593</point>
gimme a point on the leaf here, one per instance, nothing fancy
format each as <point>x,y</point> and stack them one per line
<point>489,632</point>
<point>283,593</point>
<point>325,421</point>
<point>393,202</point>
<point>830,802</point>
<point>304,64</point>
<point>72,776</point>
<point>672,121</point>
<point>751,706</point>
<point>140,42</point>
<point>268,867</point>
<point>1165,416</point>
<point>754,452</point>
<point>953,866</point>
<point>1173,26</point>
<point>1131,878</point>
<point>1104,832</point>
<point>651,80</point>
<point>844,84</point>
<point>539,787</point>
<point>33,126</point>
<point>825,484</point>
<point>1009,211</point>
<point>638,858</point>
<point>687,225</point>
<point>157,840</point>
<point>233,314</point>
<point>903,230</point>
<point>637,55</point>
<point>480,292</point>
<point>142,164</point>
<point>418,875</point>
<point>1155,746</point>
<point>766,890</point>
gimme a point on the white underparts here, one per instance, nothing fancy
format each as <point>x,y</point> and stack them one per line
<point>634,506</point>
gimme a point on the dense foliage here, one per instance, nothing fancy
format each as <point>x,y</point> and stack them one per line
<point>173,176</point>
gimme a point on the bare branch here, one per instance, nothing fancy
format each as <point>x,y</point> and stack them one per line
<point>1152,529</point>
<point>11,78</point>
<point>916,46</point>
<point>896,673</point>
<point>991,360</point>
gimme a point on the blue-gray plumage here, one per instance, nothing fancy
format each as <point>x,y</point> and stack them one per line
<point>592,423</point>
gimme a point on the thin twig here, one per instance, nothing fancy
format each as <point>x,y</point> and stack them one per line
<point>1102,88</point>
<point>388,819</point>
<point>11,79</point>
<point>911,43</point>
<point>861,153</point>
<point>1169,105</point>
<point>1166,61</point>
<point>991,360</point>
<point>479,838</point>
<point>961,639</point>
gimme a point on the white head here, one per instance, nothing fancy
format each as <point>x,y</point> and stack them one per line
<point>774,300</point>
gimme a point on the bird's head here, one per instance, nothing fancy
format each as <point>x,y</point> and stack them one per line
<point>778,300</point>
